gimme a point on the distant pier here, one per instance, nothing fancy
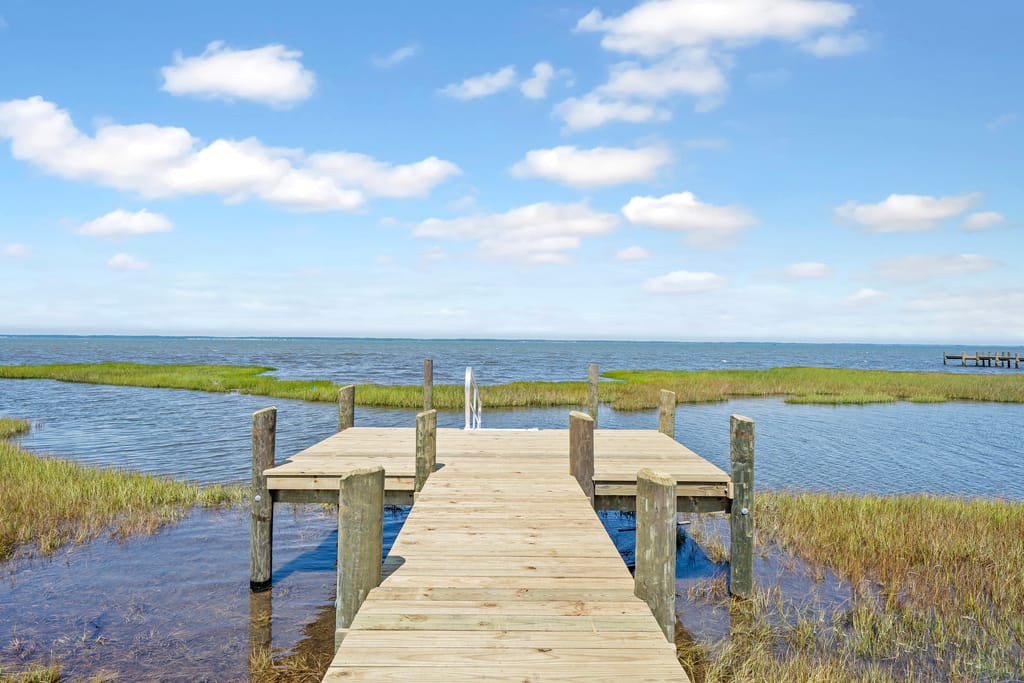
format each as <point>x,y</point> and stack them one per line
<point>985,359</point>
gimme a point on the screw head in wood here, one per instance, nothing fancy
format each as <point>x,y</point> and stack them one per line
<point>744,511</point>
<point>258,498</point>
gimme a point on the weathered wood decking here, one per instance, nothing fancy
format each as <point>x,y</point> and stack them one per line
<point>503,571</point>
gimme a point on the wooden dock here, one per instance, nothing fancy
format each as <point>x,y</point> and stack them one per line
<point>503,571</point>
<point>985,359</point>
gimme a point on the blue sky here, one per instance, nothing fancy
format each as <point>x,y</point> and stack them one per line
<point>791,170</point>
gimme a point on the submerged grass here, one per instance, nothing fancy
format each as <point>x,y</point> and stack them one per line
<point>48,502</point>
<point>36,673</point>
<point>635,390</point>
<point>937,590</point>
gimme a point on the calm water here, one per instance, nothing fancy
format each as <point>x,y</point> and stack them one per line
<point>166,608</point>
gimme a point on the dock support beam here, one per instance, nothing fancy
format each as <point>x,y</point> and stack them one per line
<point>261,527</point>
<point>581,451</point>
<point>428,384</point>
<point>667,413</point>
<point>592,380</point>
<point>655,578</point>
<point>426,447</point>
<point>360,543</point>
<point>346,407</point>
<point>741,517</point>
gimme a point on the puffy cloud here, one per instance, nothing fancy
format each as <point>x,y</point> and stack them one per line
<point>381,179</point>
<point>691,71</point>
<point>684,282</point>
<point>155,161</point>
<point>906,212</point>
<point>633,253</point>
<point>865,297</point>
<point>705,224</point>
<point>483,85</point>
<point>927,266</point>
<point>397,57</point>
<point>15,250</point>
<point>126,262</point>
<point>659,26</point>
<point>594,110</point>
<point>598,167</point>
<point>121,223</point>
<point>836,45</point>
<point>982,220</point>
<point>538,233</point>
<point>806,270</point>
<point>536,87</point>
<point>271,74</point>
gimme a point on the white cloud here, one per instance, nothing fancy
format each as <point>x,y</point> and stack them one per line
<point>837,45</point>
<point>806,270</point>
<point>536,87</point>
<point>684,282</point>
<point>983,220</point>
<point>598,167</point>
<point>656,27</point>
<point>706,225</point>
<point>906,212</point>
<point>927,266</point>
<point>15,250</point>
<point>121,223</point>
<point>380,179</point>
<point>397,57</point>
<point>538,233</point>
<point>865,297</point>
<point>126,262</point>
<point>155,161</point>
<point>593,110</point>
<point>633,253</point>
<point>483,85</point>
<point>690,71</point>
<point>434,254</point>
<point>271,74</point>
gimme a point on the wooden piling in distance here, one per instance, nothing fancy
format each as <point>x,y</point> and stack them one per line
<point>667,412</point>
<point>581,451</point>
<point>360,543</point>
<point>428,384</point>
<point>261,526</point>
<point>592,402</point>
<point>741,516</point>
<point>963,358</point>
<point>655,576</point>
<point>346,407</point>
<point>426,447</point>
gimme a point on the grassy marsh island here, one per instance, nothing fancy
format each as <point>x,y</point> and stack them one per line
<point>937,585</point>
<point>48,502</point>
<point>633,390</point>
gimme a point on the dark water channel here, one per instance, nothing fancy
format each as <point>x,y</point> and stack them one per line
<point>176,606</point>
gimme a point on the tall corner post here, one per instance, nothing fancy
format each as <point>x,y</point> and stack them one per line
<point>346,407</point>
<point>581,451</point>
<point>428,384</point>
<point>667,413</point>
<point>592,399</point>
<point>360,543</point>
<point>261,528</point>
<point>426,447</point>
<point>741,517</point>
<point>655,577</point>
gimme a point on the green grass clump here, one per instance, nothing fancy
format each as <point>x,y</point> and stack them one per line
<point>48,502</point>
<point>34,674</point>
<point>937,589</point>
<point>10,428</point>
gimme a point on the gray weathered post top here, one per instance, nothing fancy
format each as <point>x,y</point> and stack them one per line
<point>592,402</point>
<point>360,543</point>
<point>261,529</point>
<point>667,412</point>
<point>346,407</point>
<point>655,577</point>
<point>581,451</point>
<point>428,384</point>
<point>426,447</point>
<point>741,516</point>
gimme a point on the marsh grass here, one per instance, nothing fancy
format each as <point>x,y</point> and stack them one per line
<point>634,390</point>
<point>48,502</point>
<point>10,428</point>
<point>36,673</point>
<point>937,590</point>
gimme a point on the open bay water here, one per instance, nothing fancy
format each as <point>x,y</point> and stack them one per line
<point>175,606</point>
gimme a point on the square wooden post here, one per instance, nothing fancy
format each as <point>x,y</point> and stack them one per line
<point>581,451</point>
<point>426,447</point>
<point>346,407</point>
<point>667,412</point>
<point>360,543</point>
<point>741,516</point>
<point>655,576</point>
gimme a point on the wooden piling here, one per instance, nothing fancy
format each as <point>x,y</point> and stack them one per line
<point>360,543</point>
<point>667,412</point>
<point>963,358</point>
<point>592,380</point>
<point>426,447</point>
<point>346,407</point>
<point>261,527</point>
<point>581,451</point>
<point>741,517</point>
<point>260,634</point>
<point>428,384</point>
<point>655,577</point>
